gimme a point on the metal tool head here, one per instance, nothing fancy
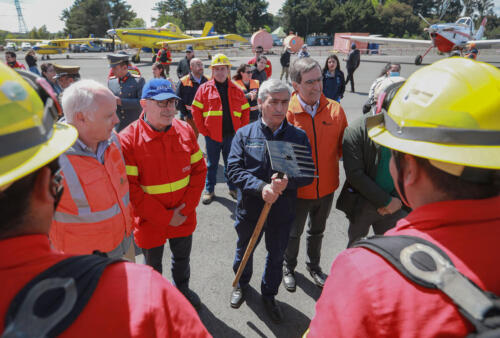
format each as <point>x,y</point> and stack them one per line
<point>292,159</point>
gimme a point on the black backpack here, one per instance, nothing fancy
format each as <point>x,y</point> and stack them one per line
<point>52,301</point>
<point>427,265</point>
<point>163,55</point>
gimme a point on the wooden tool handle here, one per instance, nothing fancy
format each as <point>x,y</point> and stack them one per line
<point>253,239</point>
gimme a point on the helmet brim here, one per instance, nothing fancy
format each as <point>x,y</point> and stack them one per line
<point>472,156</point>
<point>20,164</point>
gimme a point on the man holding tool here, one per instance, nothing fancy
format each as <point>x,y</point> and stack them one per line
<point>249,168</point>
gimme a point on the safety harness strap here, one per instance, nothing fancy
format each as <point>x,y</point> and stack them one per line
<point>51,302</point>
<point>427,265</point>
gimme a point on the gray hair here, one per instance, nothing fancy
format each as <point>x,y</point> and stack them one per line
<point>80,96</point>
<point>301,66</point>
<point>272,86</point>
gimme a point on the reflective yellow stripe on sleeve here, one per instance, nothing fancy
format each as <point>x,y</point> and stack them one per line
<point>212,113</point>
<point>197,104</point>
<point>245,106</point>
<point>196,156</point>
<point>237,113</point>
<point>132,170</point>
<point>166,188</point>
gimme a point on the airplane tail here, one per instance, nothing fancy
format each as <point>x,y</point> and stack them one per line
<point>208,29</point>
<point>480,31</point>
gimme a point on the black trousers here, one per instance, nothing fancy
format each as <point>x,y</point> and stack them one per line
<point>350,77</point>
<point>366,215</point>
<point>318,211</point>
<point>181,252</point>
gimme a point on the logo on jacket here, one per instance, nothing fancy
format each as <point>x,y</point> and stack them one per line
<point>187,168</point>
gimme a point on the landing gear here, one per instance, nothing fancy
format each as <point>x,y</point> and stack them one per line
<point>67,56</point>
<point>43,57</point>
<point>418,60</point>
<point>136,58</point>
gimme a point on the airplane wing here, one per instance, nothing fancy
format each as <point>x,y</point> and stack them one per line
<point>384,41</point>
<point>485,44</point>
<point>205,41</point>
<point>25,40</point>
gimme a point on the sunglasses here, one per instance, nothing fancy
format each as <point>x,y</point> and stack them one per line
<point>248,72</point>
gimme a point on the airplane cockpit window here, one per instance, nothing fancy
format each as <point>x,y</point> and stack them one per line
<point>169,27</point>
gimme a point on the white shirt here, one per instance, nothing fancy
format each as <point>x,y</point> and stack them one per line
<point>311,110</point>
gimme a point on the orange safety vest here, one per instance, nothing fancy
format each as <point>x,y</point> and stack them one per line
<point>94,212</point>
<point>254,84</point>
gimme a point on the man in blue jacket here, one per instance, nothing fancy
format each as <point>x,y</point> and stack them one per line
<point>249,168</point>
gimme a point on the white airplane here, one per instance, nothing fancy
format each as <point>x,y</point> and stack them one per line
<point>446,37</point>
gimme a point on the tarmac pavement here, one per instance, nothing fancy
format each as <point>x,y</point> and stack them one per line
<point>215,239</point>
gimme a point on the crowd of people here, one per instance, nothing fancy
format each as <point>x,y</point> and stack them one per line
<point>91,174</point>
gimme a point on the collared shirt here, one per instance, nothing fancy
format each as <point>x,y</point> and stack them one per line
<point>152,127</point>
<point>101,149</point>
<point>277,130</point>
<point>197,79</point>
<point>311,110</point>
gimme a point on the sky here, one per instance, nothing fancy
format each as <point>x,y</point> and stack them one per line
<point>47,12</point>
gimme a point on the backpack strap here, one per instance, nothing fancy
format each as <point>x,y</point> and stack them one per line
<point>52,301</point>
<point>425,264</point>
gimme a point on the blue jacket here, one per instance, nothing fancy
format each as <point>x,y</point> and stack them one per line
<point>249,168</point>
<point>334,86</point>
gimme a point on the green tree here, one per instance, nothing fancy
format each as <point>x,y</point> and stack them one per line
<point>242,25</point>
<point>175,11</point>
<point>137,22</point>
<point>86,17</point>
<point>397,20</point>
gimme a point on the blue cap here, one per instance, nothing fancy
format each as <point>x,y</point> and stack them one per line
<point>158,90</point>
<point>353,45</point>
<point>189,48</point>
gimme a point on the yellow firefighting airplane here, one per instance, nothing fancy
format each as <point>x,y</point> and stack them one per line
<point>59,46</point>
<point>170,33</point>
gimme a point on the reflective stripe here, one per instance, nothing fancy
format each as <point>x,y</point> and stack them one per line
<point>197,104</point>
<point>132,170</point>
<point>126,199</point>
<point>237,113</point>
<point>74,186</point>
<point>189,107</point>
<point>93,217</point>
<point>245,106</point>
<point>85,215</point>
<point>212,113</point>
<point>196,156</point>
<point>166,188</point>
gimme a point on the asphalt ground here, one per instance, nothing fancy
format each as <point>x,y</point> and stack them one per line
<point>215,238</point>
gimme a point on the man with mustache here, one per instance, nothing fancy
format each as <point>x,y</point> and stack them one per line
<point>166,173</point>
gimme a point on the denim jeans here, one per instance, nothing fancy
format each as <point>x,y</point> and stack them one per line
<point>214,149</point>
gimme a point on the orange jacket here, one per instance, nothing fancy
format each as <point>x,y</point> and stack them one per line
<point>207,109</point>
<point>254,84</point>
<point>169,57</point>
<point>165,170</point>
<point>325,134</point>
<point>94,212</point>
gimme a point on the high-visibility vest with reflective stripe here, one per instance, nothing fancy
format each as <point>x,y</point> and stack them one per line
<point>207,109</point>
<point>254,84</point>
<point>94,212</point>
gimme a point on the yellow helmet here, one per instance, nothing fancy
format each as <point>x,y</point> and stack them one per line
<point>220,60</point>
<point>29,134</point>
<point>449,113</point>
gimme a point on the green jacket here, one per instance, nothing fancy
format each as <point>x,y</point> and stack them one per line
<point>361,156</point>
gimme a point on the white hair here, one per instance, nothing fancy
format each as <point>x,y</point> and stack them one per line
<point>272,86</point>
<point>80,96</point>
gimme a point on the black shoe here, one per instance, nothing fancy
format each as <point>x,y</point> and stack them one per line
<point>289,279</point>
<point>192,297</point>
<point>273,309</point>
<point>237,297</point>
<point>318,276</point>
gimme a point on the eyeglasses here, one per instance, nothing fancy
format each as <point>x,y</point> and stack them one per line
<point>248,72</point>
<point>165,103</point>
<point>313,81</point>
